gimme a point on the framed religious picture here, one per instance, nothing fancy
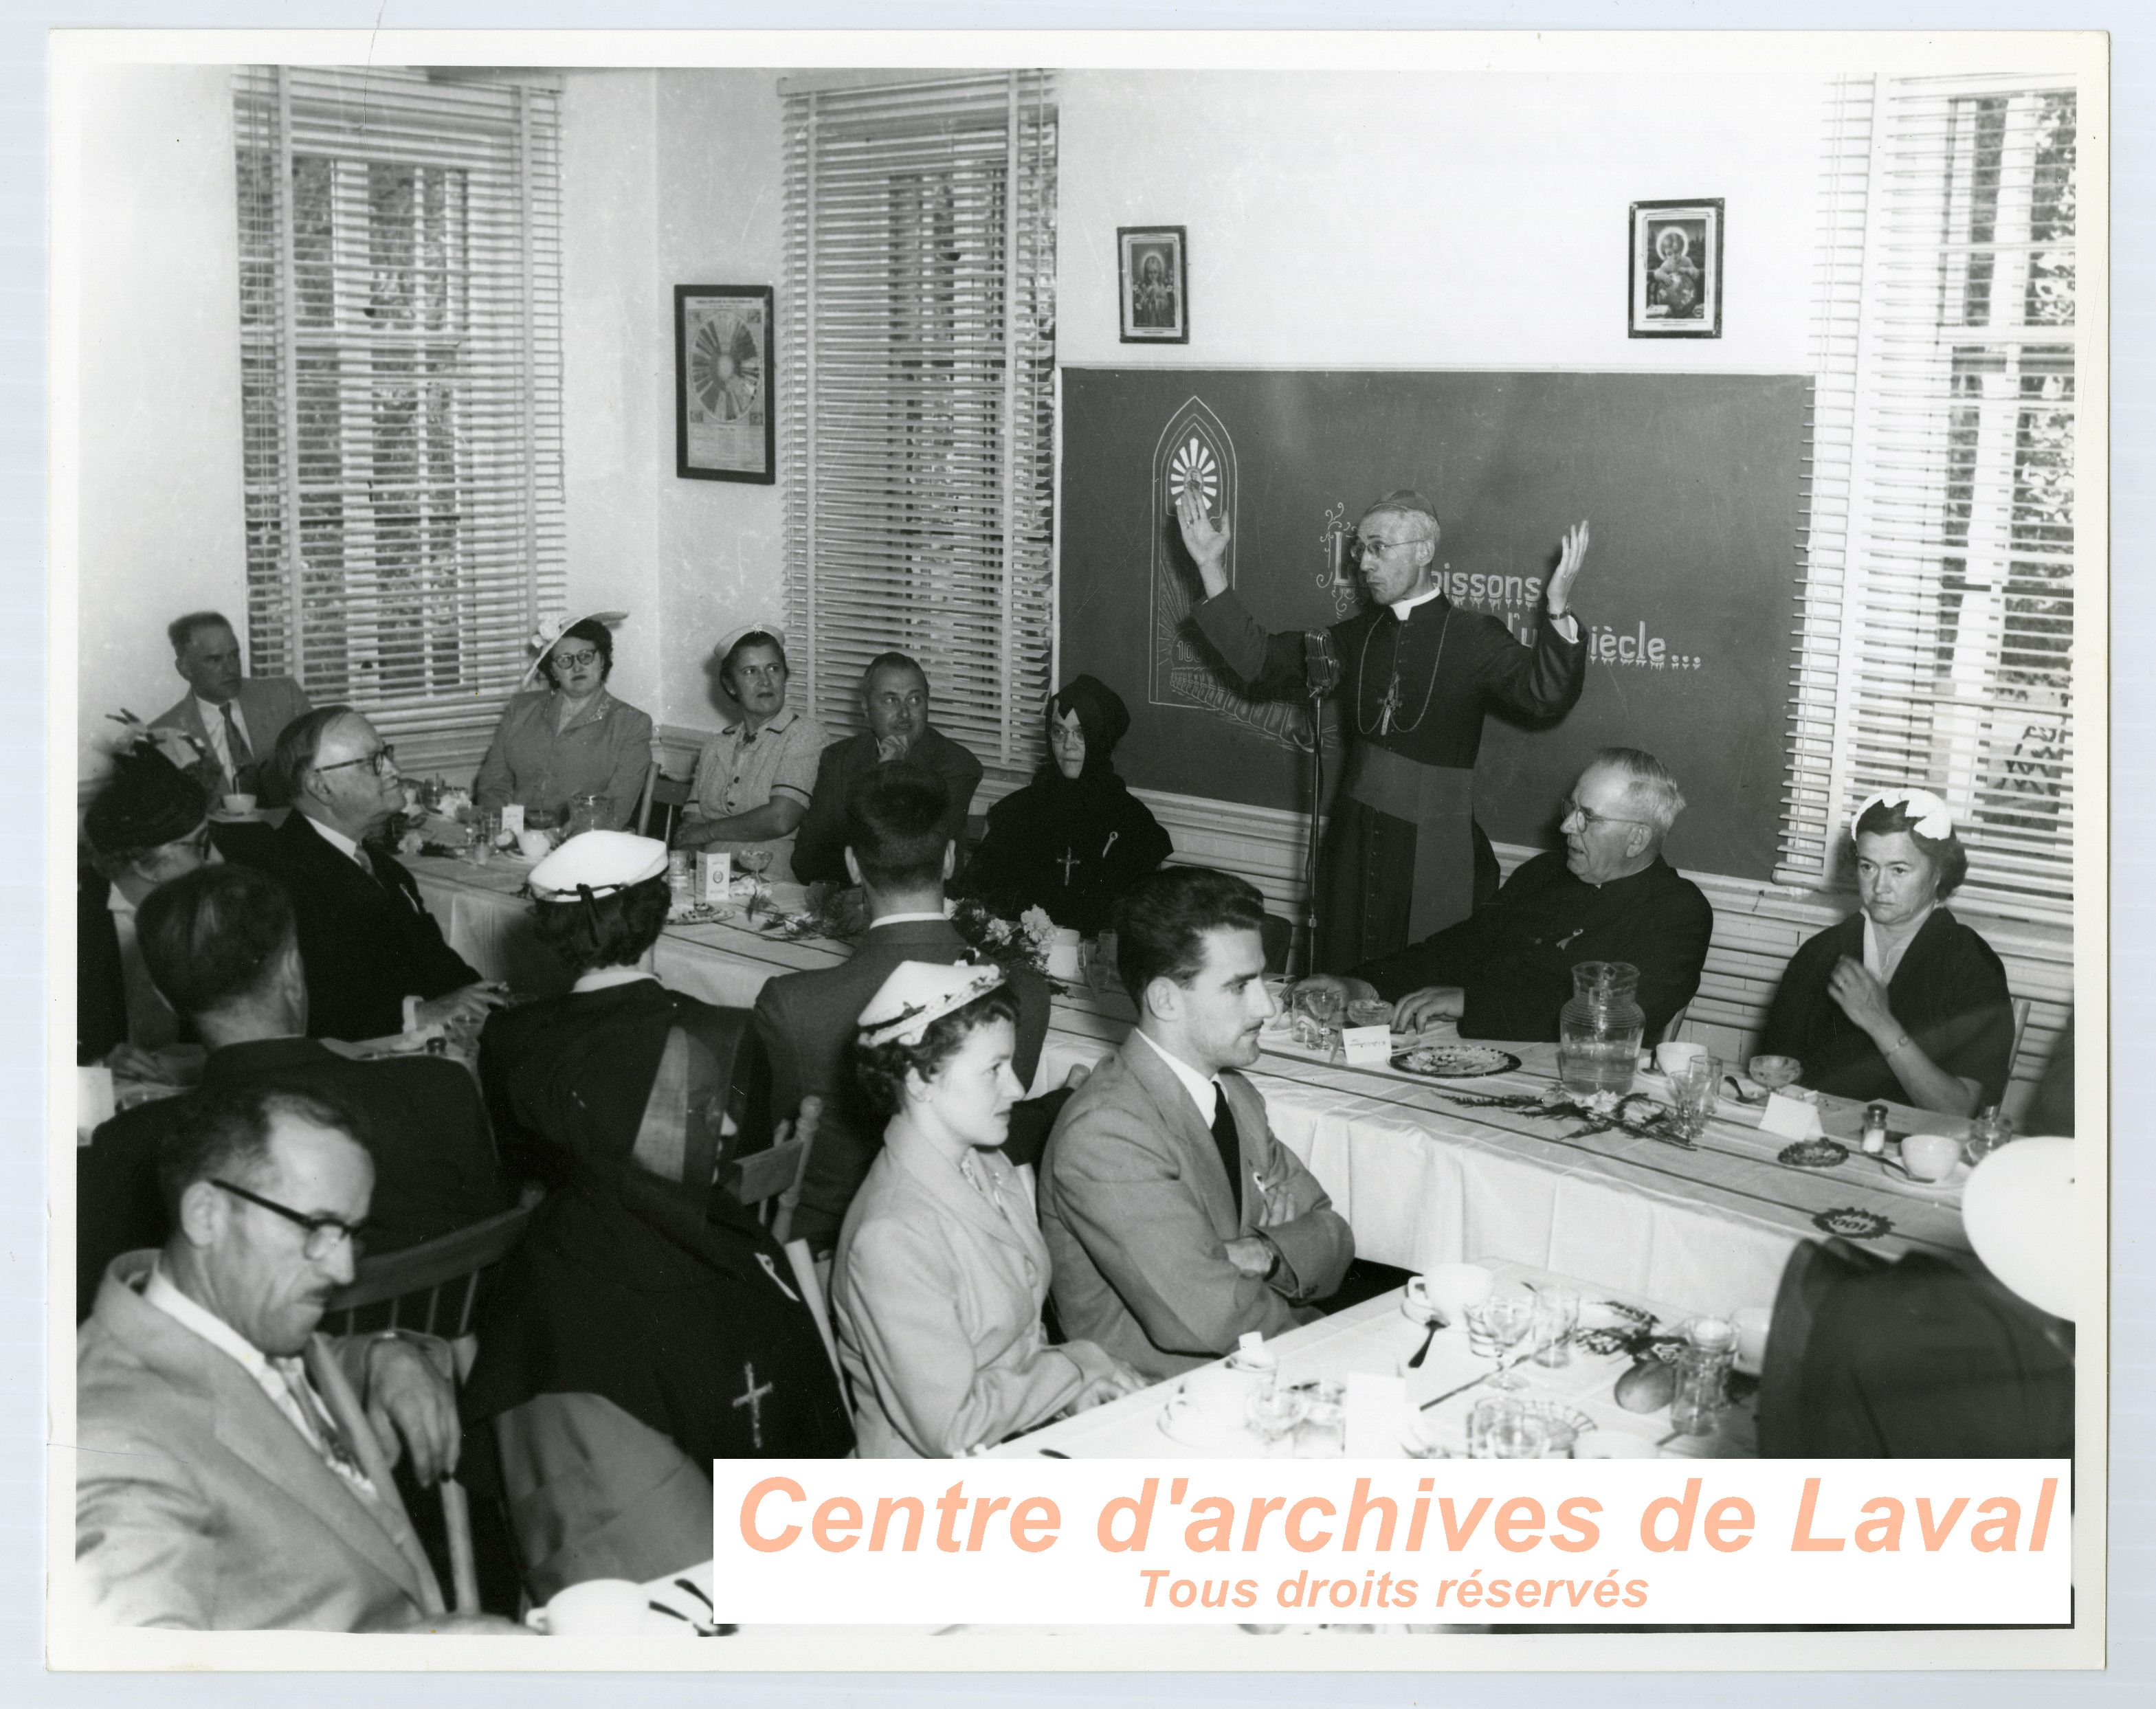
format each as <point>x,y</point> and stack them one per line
<point>724,426</point>
<point>1155,274</point>
<point>1677,269</point>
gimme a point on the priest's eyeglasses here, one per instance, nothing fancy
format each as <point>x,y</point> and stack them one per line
<point>1367,547</point>
<point>382,761</point>
<point>1588,818</point>
<point>323,1232</point>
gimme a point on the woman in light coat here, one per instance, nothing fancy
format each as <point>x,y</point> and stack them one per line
<point>941,1271</point>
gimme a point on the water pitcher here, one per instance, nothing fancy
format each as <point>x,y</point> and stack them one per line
<point>1599,1031</point>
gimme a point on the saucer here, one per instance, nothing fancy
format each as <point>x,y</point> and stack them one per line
<point>1182,1421</point>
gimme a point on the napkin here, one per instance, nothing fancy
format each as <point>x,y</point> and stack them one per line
<point>1791,1118</point>
<point>1378,1419</point>
<point>93,1100</point>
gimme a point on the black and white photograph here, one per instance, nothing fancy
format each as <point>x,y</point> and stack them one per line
<point>1677,269</point>
<point>1419,877</point>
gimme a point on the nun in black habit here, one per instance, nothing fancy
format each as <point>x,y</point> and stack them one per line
<point>1075,839</point>
<point>645,1326</point>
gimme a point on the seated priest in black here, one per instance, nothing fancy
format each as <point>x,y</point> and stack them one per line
<point>645,1326</point>
<point>150,823</point>
<point>1937,1355</point>
<point>899,850</point>
<point>377,963</point>
<point>1607,895</point>
<point>1900,1001</point>
<point>222,945</point>
<point>1075,839</point>
<point>895,705</point>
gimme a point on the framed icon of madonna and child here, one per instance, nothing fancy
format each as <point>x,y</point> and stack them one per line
<point>1677,269</point>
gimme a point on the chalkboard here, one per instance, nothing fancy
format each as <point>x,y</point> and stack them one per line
<point>1691,483</point>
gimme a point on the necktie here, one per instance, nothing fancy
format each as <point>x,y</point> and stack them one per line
<point>235,744</point>
<point>315,1423</point>
<point>1231,1143</point>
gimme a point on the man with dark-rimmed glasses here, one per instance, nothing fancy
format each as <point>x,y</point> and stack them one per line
<point>1606,896</point>
<point>231,1465</point>
<point>376,961</point>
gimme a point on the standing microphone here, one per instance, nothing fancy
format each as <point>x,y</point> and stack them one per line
<point>1321,664</point>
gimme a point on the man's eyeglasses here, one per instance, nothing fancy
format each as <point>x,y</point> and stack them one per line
<point>323,1232</point>
<point>1590,818</point>
<point>1366,547</point>
<point>574,661</point>
<point>382,761</point>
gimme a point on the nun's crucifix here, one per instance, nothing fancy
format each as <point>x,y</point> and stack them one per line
<point>1069,860</point>
<point>752,1397</point>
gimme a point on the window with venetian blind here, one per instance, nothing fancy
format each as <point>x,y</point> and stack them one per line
<point>1937,601</point>
<point>916,344</point>
<point>400,329</point>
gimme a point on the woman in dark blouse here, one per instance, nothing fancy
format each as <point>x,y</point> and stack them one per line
<point>1075,839</point>
<point>1901,1001</point>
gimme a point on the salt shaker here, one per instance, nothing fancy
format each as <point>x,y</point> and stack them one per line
<point>1875,1129</point>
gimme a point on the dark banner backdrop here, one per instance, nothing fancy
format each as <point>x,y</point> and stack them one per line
<point>1691,485</point>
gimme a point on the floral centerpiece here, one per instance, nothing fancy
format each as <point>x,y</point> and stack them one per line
<point>1597,1112</point>
<point>843,917</point>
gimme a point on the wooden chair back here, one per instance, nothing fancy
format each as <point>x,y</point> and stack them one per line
<point>770,1180</point>
<point>665,796</point>
<point>433,1287</point>
<point>2022,1005</point>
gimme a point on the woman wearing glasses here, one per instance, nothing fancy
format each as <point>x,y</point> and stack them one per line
<point>571,738</point>
<point>1075,839</point>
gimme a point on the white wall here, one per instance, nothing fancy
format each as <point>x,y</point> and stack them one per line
<point>719,543</point>
<point>612,327</point>
<point>1431,220</point>
<point>158,529</point>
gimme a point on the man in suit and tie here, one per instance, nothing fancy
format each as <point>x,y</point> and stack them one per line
<point>899,849</point>
<point>1176,1221</point>
<point>231,1465</point>
<point>376,961</point>
<point>221,943</point>
<point>236,719</point>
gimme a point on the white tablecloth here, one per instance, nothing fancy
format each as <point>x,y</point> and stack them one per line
<point>1421,1178</point>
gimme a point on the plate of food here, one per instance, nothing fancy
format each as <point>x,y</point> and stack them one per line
<point>1455,1060</point>
<point>1814,1154</point>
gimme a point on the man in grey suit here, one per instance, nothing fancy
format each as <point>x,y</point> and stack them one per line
<point>221,1482</point>
<point>235,720</point>
<point>1176,1221</point>
<point>899,849</point>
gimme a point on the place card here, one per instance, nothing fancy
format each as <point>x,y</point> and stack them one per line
<point>512,818</point>
<point>1790,1118</point>
<point>1366,1047</point>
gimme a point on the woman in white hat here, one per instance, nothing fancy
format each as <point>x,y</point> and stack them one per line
<point>571,737</point>
<point>754,778</point>
<point>1901,1001</point>
<point>642,1304</point>
<point>941,1271</point>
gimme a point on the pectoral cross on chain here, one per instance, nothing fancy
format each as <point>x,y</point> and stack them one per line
<point>1388,705</point>
<point>1069,860</point>
<point>753,1397</point>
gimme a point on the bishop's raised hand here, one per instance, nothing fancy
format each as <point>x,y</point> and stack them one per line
<point>1570,557</point>
<point>1205,540</point>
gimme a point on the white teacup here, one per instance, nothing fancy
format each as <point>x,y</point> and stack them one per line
<point>1674,1058</point>
<point>1220,1394</point>
<point>1063,954</point>
<point>1449,1289</point>
<point>1930,1156</point>
<point>534,845</point>
<point>239,806</point>
<point>597,1608</point>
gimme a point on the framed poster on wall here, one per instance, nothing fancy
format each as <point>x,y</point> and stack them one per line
<point>723,422</point>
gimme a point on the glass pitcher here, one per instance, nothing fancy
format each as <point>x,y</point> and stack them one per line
<point>587,812</point>
<point>1599,1031</point>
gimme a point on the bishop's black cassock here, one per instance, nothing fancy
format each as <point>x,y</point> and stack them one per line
<point>1404,857</point>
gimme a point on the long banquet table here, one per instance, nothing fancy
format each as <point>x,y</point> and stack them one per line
<point>1421,1178</point>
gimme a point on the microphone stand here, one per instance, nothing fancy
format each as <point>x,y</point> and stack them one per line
<point>1316,806</point>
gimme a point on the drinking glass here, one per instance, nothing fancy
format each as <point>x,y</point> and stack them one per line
<point>755,862</point>
<point>1501,1426</point>
<point>1775,1072</point>
<point>1694,1092</point>
<point>1324,1432</point>
<point>1987,1130</point>
<point>1370,1012</point>
<point>1274,1411</point>
<point>1498,1325</point>
<point>1557,1315</point>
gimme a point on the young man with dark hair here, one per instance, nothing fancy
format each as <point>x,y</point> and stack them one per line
<point>221,944</point>
<point>1176,1221</point>
<point>899,850</point>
